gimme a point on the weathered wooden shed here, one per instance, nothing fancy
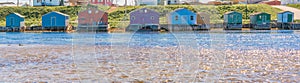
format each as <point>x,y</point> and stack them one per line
<point>203,20</point>
<point>144,18</point>
<point>15,20</point>
<point>260,20</point>
<point>92,19</point>
<point>285,19</point>
<point>233,20</point>
<point>55,20</point>
<point>182,16</point>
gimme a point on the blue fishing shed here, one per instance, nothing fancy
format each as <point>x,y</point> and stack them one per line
<point>15,20</point>
<point>182,16</point>
<point>55,19</point>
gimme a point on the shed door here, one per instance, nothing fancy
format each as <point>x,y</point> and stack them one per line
<point>290,18</point>
<point>11,21</point>
<point>235,18</point>
<point>53,21</point>
<point>184,19</point>
<point>264,19</point>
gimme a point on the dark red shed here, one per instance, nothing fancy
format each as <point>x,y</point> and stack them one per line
<point>92,17</point>
<point>275,2</point>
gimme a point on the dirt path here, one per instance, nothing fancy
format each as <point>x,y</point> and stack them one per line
<point>112,9</point>
<point>286,8</point>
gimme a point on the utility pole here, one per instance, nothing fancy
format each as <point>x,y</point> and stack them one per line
<point>18,1</point>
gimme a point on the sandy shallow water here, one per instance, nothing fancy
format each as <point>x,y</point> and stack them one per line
<point>83,63</point>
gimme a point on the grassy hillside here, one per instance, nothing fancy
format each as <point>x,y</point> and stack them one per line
<point>33,15</point>
<point>294,5</point>
<point>120,17</point>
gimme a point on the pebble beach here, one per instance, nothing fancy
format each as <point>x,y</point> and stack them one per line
<point>100,63</point>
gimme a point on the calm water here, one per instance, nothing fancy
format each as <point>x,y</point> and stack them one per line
<point>278,39</point>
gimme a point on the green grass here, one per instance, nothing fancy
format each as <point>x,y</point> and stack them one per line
<point>294,5</point>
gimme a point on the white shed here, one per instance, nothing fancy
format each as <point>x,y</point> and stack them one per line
<point>285,2</point>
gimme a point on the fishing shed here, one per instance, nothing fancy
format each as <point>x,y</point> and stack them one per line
<point>182,16</point>
<point>260,20</point>
<point>285,20</point>
<point>203,20</point>
<point>144,18</point>
<point>92,19</point>
<point>15,20</point>
<point>233,20</point>
<point>55,21</point>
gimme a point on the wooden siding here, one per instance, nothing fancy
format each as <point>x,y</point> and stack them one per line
<point>285,17</point>
<point>92,16</point>
<point>233,17</point>
<point>203,18</point>
<point>144,16</point>
<point>15,20</point>
<point>55,19</point>
<point>182,16</point>
<point>260,18</point>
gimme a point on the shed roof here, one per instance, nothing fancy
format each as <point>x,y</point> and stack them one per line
<point>142,9</point>
<point>259,13</point>
<point>96,9</point>
<point>57,13</point>
<point>182,9</point>
<point>285,12</point>
<point>203,13</point>
<point>232,12</point>
<point>18,15</point>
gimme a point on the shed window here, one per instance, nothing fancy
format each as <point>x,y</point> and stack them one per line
<point>152,18</point>
<point>82,18</point>
<point>89,11</point>
<point>231,16</point>
<point>202,17</point>
<point>259,17</point>
<point>99,0</point>
<point>145,11</point>
<point>133,18</point>
<point>192,17</point>
<point>176,17</point>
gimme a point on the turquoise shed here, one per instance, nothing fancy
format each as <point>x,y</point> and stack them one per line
<point>285,20</point>
<point>233,20</point>
<point>260,20</point>
<point>182,16</point>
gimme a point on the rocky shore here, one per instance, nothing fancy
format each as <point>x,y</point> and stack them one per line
<point>67,63</point>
